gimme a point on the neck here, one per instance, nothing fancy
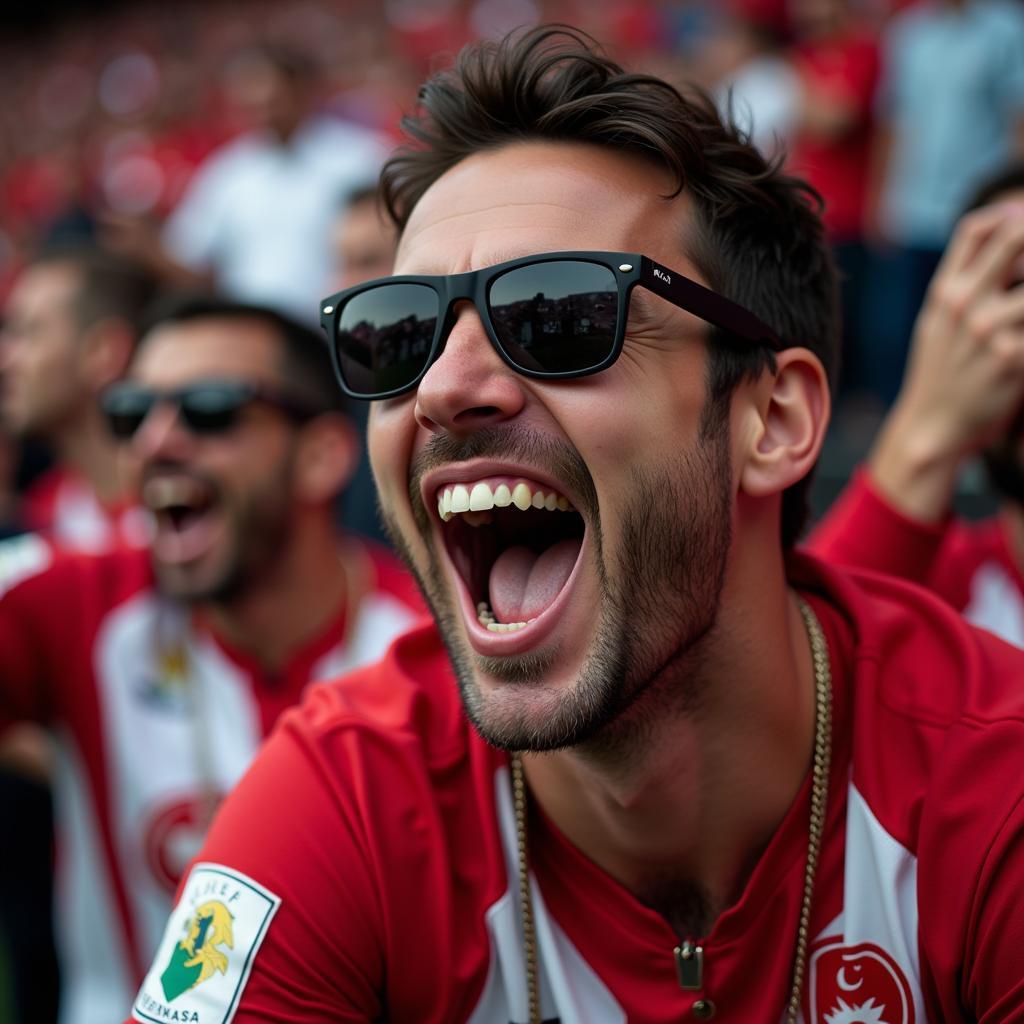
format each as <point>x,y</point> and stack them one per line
<point>682,818</point>
<point>86,447</point>
<point>306,587</point>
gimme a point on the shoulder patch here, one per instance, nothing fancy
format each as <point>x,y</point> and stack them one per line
<point>21,557</point>
<point>207,951</point>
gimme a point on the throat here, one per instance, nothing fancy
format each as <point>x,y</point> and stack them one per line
<point>683,903</point>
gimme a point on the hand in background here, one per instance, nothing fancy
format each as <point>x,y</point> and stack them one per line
<point>965,378</point>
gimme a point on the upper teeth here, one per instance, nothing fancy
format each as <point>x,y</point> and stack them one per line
<point>482,495</point>
<point>163,492</point>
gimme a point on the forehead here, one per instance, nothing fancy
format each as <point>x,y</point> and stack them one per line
<point>541,197</point>
<point>243,349</point>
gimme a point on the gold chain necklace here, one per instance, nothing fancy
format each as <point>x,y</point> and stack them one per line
<point>816,828</point>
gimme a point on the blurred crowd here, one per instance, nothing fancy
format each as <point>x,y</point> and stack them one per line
<point>235,146</point>
<point>895,111</point>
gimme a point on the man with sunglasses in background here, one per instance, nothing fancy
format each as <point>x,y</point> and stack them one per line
<point>692,774</point>
<point>162,669</point>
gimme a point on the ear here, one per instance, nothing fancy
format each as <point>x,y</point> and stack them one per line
<point>106,349</point>
<point>328,453</point>
<point>791,410</point>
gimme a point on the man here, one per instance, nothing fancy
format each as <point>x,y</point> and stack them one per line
<point>70,325</point>
<point>364,248</point>
<point>162,670</point>
<point>363,239</point>
<point>700,780</point>
<point>963,396</point>
<point>256,216</point>
<point>837,58</point>
<point>950,114</point>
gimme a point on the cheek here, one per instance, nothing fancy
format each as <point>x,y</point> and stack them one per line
<point>617,428</point>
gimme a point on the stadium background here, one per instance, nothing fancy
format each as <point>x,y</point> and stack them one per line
<point>110,107</point>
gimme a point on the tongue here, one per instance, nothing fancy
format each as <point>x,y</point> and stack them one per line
<point>524,583</point>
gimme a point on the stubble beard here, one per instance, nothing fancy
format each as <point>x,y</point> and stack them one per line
<point>259,530</point>
<point>659,600</point>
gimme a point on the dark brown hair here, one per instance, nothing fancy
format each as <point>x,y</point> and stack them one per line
<point>758,238</point>
<point>306,370</point>
<point>108,285</point>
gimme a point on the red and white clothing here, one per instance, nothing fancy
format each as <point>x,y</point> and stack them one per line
<point>63,505</point>
<point>844,67</point>
<point>377,830</point>
<point>158,718</point>
<point>971,565</point>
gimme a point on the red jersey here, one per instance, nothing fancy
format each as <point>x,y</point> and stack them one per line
<point>366,869</point>
<point>157,719</point>
<point>845,66</point>
<point>63,505</point>
<point>971,565</point>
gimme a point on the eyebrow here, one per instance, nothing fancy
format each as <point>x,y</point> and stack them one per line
<point>494,257</point>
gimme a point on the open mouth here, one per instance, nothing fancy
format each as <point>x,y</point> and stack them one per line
<point>514,543</point>
<point>185,513</point>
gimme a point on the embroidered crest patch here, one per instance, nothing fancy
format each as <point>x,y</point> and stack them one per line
<point>207,950</point>
<point>859,984</point>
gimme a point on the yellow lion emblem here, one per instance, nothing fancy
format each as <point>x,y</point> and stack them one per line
<point>209,928</point>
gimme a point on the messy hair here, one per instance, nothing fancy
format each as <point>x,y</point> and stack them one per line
<point>757,237</point>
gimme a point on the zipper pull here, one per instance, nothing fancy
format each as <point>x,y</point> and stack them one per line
<point>690,965</point>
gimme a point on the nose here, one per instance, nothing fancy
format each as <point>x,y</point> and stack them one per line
<point>162,435</point>
<point>468,386</point>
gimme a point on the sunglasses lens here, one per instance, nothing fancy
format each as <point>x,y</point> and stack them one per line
<point>556,317</point>
<point>383,337</point>
<point>212,408</point>
<point>125,408</point>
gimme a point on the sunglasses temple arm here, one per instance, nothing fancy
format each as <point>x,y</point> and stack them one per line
<point>708,305</point>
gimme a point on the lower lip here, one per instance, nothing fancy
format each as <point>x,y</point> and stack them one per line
<point>497,645</point>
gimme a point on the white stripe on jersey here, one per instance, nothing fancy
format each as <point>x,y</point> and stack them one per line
<point>996,604</point>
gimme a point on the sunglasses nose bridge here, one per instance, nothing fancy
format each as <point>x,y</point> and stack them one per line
<point>460,289</point>
<point>161,424</point>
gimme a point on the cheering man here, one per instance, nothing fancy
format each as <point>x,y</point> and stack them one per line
<point>690,776</point>
<point>161,669</point>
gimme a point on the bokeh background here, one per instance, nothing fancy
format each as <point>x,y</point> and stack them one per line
<point>110,109</point>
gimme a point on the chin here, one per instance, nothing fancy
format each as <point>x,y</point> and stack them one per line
<point>544,699</point>
<point>195,583</point>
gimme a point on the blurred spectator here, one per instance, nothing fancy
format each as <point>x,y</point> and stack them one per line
<point>837,60</point>
<point>162,670</point>
<point>951,113</point>
<point>364,246</point>
<point>364,239</point>
<point>70,325</point>
<point>750,76</point>
<point>964,394</point>
<point>256,217</point>
<point>26,854</point>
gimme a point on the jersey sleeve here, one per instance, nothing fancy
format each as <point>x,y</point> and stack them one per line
<point>972,929</point>
<point>30,598</point>
<point>863,531</point>
<point>289,833</point>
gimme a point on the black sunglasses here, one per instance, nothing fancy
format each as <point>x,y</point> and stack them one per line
<point>556,315</point>
<point>205,407</point>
